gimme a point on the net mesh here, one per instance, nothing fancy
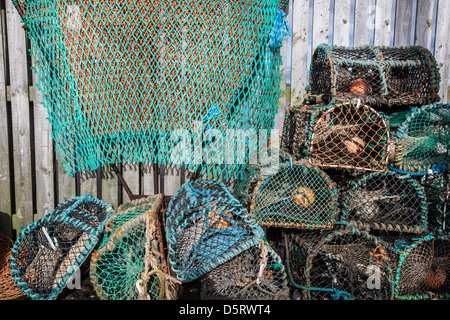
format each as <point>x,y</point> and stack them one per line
<point>387,201</point>
<point>132,81</point>
<point>437,191</point>
<point>344,135</point>
<point>422,141</point>
<point>256,273</point>
<point>422,269</point>
<point>52,249</point>
<point>206,226</point>
<point>8,289</point>
<point>130,263</point>
<point>342,264</point>
<point>378,76</point>
<point>297,196</point>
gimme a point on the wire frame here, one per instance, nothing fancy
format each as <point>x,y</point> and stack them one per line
<point>377,75</point>
<point>8,289</point>
<point>299,196</point>
<point>422,269</point>
<point>123,78</point>
<point>387,201</point>
<point>49,251</point>
<point>422,141</point>
<point>255,274</point>
<point>205,227</point>
<point>341,264</point>
<point>130,264</point>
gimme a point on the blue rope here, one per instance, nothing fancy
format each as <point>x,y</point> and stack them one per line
<point>438,168</point>
<point>280,29</point>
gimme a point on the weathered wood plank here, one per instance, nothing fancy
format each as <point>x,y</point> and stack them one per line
<point>442,46</point>
<point>66,184</point>
<point>88,183</point>
<point>424,23</point>
<point>5,188</point>
<point>341,29</point>
<point>320,22</point>
<point>130,173</point>
<point>20,113</point>
<point>110,185</point>
<point>299,68</point>
<point>383,23</point>
<point>361,33</point>
<point>403,23</point>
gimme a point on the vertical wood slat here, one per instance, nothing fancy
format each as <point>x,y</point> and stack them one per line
<point>66,184</point>
<point>5,192</point>
<point>20,112</point>
<point>320,22</point>
<point>424,23</point>
<point>442,47</point>
<point>341,28</point>
<point>383,23</point>
<point>361,33</point>
<point>403,22</point>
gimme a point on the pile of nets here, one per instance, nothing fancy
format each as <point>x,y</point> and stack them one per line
<point>299,195</point>
<point>161,82</point>
<point>48,252</point>
<point>130,263</point>
<point>8,289</point>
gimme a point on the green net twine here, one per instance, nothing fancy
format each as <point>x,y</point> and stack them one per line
<point>49,251</point>
<point>157,81</point>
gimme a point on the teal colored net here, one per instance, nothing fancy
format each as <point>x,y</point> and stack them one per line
<point>206,227</point>
<point>165,82</point>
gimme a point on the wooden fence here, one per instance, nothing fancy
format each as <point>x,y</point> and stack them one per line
<point>32,180</point>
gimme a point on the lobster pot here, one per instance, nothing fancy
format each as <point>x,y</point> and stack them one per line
<point>8,289</point>
<point>340,264</point>
<point>422,141</point>
<point>51,250</point>
<point>255,274</point>
<point>423,269</point>
<point>437,187</point>
<point>378,76</point>
<point>205,227</point>
<point>299,196</point>
<point>123,79</point>
<point>343,135</point>
<point>131,264</point>
<point>387,201</point>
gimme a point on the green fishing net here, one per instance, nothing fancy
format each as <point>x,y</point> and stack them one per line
<point>158,81</point>
<point>130,263</point>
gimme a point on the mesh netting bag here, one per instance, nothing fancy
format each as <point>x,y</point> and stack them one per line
<point>206,226</point>
<point>8,289</point>
<point>345,263</point>
<point>341,135</point>
<point>387,201</point>
<point>130,263</point>
<point>255,274</point>
<point>137,81</point>
<point>437,191</point>
<point>422,141</point>
<point>379,76</point>
<point>422,267</point>
<point>51,250</point>
<point>299,195</point>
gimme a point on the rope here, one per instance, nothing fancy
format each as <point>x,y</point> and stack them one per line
<point>438,168</point>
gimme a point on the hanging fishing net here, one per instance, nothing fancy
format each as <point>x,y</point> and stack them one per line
<point>422,141</point>
<point>206,226</point>
<point>164,82</point>
<point>340,264</point>
<point>8,289</point>
<point>51,250</point>
<point>378,76</point>
<point>422,268</point>
<point>130,263</point>
<point>299,195</point>
<point>387,201</point>
<point>255,274</point>
<point>343,135</point>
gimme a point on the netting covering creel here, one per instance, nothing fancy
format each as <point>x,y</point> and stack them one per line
<point>134,80</point>
<point>387,201</point>
<point>256,273</point>
<point>51,250</point>
<point>422,140</point>
<point>341,135</point>
<point>205,227</point>
<point>8,289</point>
<point>299,195</point>
<point>341,264</point>
<point>130,264</point>
<point>377,75</point>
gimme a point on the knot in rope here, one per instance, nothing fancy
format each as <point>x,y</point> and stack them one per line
<point>280,29</point>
